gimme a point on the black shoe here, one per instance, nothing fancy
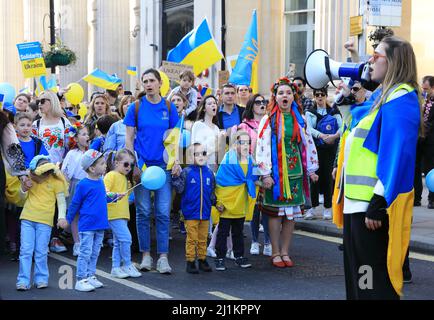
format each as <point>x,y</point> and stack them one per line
<point>242,262</point>
<point>204,266</point>
<point>430,205</point>
<point>417,203</point>
<point>408,278</point>
<point>191,267</point>
<point>220,264</point>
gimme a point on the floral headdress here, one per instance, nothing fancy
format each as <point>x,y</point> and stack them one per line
<point>73,130</point>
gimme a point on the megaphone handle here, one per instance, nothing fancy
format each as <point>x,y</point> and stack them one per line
<point>328,72</point>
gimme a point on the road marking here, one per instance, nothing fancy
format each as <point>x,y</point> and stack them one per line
<point>413,255</point>
<point>223,295</point>
<point>127,283</point>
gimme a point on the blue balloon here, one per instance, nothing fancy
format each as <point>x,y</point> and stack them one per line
<point>429,180</point>
<point>185,140</point>
<point>8,91</point>
<point>153,178</point>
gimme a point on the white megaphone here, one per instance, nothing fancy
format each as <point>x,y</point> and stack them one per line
<point>319,69</point>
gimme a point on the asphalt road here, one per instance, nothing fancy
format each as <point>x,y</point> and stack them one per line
<point>318,275</point>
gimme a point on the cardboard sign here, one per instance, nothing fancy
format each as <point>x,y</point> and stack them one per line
<point>32,60</point>
<point>223,78</point>
<point>174,70</point>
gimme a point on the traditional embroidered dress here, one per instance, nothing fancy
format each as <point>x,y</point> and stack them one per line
<point>286,151</point>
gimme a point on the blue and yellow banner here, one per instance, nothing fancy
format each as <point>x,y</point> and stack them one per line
<point>198,49</point>
<point>32,60</point>
<point>132,71</point>
<point>103,80</point>
<point>246,69</point>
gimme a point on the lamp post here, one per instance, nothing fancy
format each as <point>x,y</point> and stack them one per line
<point>52,31</point>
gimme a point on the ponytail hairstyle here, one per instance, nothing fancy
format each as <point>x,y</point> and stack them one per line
<point>74,130</point>
<point>119,155</point>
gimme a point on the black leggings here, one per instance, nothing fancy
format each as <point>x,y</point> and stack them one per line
<point>326,158</point>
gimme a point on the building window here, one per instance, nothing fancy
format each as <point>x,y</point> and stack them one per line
<point>178,20</point>
<point>300,33</point>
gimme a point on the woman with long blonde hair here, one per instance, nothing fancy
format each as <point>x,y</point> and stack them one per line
<point>99,107</point>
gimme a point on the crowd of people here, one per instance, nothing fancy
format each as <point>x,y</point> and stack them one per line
<point>249,158</point>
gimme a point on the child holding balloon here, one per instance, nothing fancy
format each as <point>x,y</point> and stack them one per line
<point>196,184</point>
<point>117,181</point>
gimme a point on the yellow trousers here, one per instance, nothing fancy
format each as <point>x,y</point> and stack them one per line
<point>197,235</point>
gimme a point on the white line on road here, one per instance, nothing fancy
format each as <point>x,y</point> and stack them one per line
<point>129,284</point>
<point>412,255</point>
<point>223,295</point>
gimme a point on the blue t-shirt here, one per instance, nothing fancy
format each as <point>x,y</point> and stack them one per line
<point>29,150</point>
<point>90,202</point>
<point>230,120</point>
<point>153,122</point>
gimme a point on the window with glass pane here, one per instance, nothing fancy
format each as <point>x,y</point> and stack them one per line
<point>297,18</point>
<point>295,5</point>
<point>296,48</point>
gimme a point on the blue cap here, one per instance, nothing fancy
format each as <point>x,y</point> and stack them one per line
<point>69,114</point>
<point>10,107</point>
<point>34,163</point>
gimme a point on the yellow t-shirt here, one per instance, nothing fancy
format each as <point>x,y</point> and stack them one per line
<point>118,183</point>
<point>41,201</point>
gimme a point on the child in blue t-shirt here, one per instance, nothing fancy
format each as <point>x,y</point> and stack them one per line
<point>32,146</point>
<point>90,202</point>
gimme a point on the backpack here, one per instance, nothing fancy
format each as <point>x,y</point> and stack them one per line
<point>326,124</point>
<point>38,145</point>
<point>137,106</point>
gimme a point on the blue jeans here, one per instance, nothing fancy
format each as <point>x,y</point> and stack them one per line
<point>90,246</point>
<point>121,243</point>
<point>35,238</point>
<point>254,226</point>
<point>144,206</point>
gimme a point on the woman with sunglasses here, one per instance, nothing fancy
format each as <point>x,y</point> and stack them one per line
<point>374,182</point>
<point>324,123</point>
<point>255,111</point>
<point>286,157</point>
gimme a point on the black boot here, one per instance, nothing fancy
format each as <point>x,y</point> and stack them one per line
<point>430,205</point>
<point>191,267</point>
<point>204,266</point>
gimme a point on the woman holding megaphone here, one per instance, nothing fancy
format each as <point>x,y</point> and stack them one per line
<point>374,183</point>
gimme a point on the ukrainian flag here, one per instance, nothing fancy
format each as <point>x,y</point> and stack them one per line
<point>47,85</point>
<point>2,97</point>
<point>198,49</point>
<point>246,68</point>
<point>132,71</point>
<point>102,80</point>
<point>205,91</point>
<point>171,143</point>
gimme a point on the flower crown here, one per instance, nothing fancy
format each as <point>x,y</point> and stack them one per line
<point>73,130</point>
<point>282,81</point>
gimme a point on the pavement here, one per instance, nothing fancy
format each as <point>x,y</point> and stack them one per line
<point>422,231</point>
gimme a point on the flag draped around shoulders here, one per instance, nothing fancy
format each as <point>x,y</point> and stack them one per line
<point>171,143</point>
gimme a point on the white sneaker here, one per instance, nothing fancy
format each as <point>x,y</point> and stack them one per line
<point>76,249</point>
<point>261,228</point>
<point>163,266</point>
<point>230,255</point>
<point>146,264</point>
<point>327,214</point>
<point>210,252</point>
<point>267,250</point>
<point>94,282</point>
<point>131,271</point>
<point>254,249</point>
<point>84,286</point>
<point>310,214</point>
<point>321,198</point>
<point>119,273</point>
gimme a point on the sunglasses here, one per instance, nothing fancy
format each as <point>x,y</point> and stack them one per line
<point>377,55</point>
<point>42,101</point>
<point>243,142</point>
<point>261,102</point>
<point>355,89</point>
<point>69,108</point>
<point>128,164</point>
<point>197,154</point>
<point>320,95</point>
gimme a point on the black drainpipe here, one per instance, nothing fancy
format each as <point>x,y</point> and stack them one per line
<point>223,63</point>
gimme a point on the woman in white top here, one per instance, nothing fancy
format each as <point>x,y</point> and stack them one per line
<point>52,128</point>
<point>206,132</point>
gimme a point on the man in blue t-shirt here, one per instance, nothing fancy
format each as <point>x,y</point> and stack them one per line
<point>229,114</point>
<point>147,124</point>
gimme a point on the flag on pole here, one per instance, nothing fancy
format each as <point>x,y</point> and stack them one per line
<point>103,80</point>
<point>205,91</point>
<point>25,90</point>
<point>245,71</point>
<point>198,49</point>
<point>171,143</point>
<point>132,71</point>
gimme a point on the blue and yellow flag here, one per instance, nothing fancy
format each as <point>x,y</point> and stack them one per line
<point>48,85</point>
<point>171,143</point>
<point>246,70</point>
<point>198,49</point>
<point>132,71</point>
<point>102,80</point>
<point>205,91</point>
<point>2,97</point>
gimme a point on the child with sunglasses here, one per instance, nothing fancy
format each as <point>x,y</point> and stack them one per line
<point>117,180</point>
<point>196,184</point>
